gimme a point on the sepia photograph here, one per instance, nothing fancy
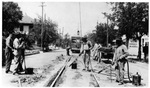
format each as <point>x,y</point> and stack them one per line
<point>74,44</point>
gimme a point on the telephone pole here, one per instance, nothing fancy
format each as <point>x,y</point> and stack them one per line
<point>42,27</point>
<point>107,31</point>
<point>80,19</point>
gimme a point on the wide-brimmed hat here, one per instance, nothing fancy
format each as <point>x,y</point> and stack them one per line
<point>84,39</point>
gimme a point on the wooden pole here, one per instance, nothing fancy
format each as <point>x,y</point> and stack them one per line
<point>107,31</point>
<point>80,19</point>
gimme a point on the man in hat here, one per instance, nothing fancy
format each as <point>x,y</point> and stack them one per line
<point>9,52</point>
<point>86,50</point>
<point>119,60</point>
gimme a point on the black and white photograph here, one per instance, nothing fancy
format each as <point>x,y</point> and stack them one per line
<point>74,43</point>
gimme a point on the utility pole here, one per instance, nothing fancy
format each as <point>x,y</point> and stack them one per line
<point>107,31</point>
<point>80,19</point>
<point>42,27</point>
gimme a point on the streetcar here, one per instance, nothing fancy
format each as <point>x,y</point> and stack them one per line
<point>75,44</point>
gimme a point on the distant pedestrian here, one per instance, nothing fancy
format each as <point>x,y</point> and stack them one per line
<point>119,60</point>
<point>9,52</point>
<point>17,54</point>
<point>145,51</point>
<point>86,50</point>
<point>68,50</point>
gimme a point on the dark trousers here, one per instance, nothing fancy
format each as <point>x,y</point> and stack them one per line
<point>120,70</point>
<point>22,57</point>
<point>145,56</point>
<point>18,59</point>
<point>86,59</point>
<point>68,52</point>
<point>9,56</point>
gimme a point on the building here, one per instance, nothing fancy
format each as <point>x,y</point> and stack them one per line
<point>25,25</point>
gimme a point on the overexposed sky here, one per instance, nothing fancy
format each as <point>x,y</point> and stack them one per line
<point>66,14</point>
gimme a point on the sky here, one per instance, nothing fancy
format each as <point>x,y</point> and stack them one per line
<point>67,15</point>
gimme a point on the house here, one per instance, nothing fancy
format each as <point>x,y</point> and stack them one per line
<point>25,25</point>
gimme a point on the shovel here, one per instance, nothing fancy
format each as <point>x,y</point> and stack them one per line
<point>104,69</point>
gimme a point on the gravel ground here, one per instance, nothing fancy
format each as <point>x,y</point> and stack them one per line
<point>42,70</point>
<point>74,77</point>
<point>79,78</point>
<point>40,74</point>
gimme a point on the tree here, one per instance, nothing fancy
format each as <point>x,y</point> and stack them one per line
<point>101,33</point>
<point>111,31</point>
<point>66,41</point>
<point>49,32</point>
<point>92,37</point>
<point>10,16</point>
<point>141,22</point>
<point>132,19</point>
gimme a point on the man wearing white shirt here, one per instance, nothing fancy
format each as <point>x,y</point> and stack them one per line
<point>119,60</point>
<point>17,54</point>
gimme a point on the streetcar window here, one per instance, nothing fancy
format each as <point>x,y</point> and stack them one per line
<point>73,40</point>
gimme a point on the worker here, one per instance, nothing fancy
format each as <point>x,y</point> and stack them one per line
<point>119,60</point>
<point>86,50</point>
<point>9,52</point>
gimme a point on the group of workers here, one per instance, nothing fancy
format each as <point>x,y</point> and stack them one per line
<point>119,57</point>
<point>15,46</point>
<point>15,50</point>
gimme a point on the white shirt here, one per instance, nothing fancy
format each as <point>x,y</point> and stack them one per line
<point>120,53</point>
<point>85,46</point>
<point>9,42</point>
<point>16,43</point>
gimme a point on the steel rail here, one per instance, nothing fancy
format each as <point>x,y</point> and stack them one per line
<point>57,77</point>
<point>60,73</point>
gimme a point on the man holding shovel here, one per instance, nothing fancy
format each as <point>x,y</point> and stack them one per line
<point>86,50</point>
<point>119,60</point>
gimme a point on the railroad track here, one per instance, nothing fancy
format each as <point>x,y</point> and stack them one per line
<point>58,75</point>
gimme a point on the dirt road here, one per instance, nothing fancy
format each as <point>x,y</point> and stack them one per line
<point>47,64</point>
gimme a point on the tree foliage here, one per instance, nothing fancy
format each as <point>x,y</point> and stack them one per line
<point>132,19</point>
<point>92,37</point>
<point>49,32</point>
<point>101,33</point>
<point>10,16</point>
